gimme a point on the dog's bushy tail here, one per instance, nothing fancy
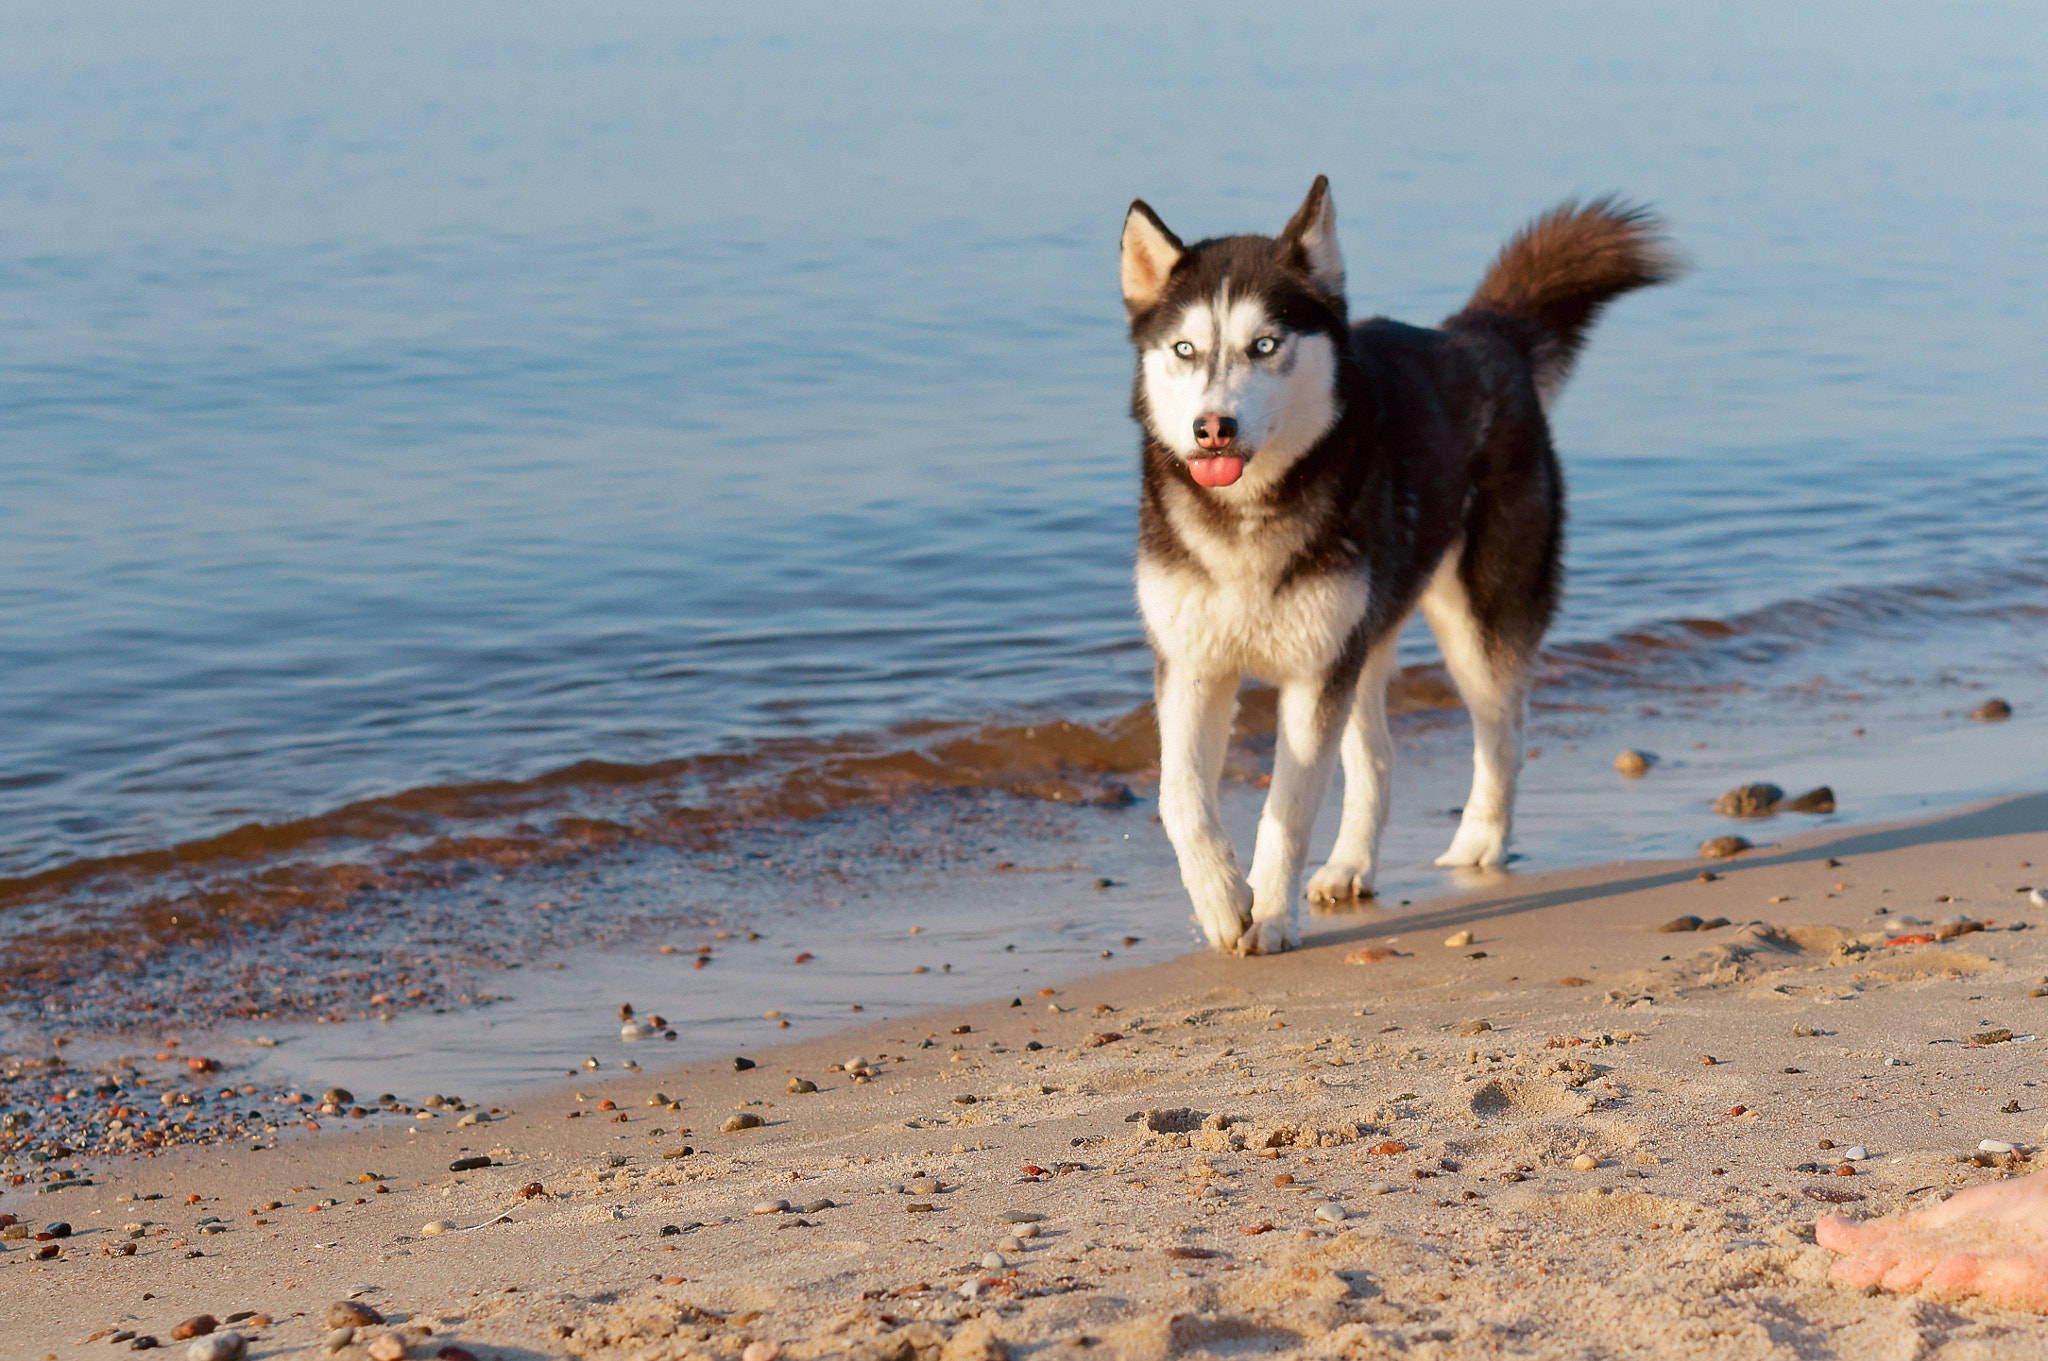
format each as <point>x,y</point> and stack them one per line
<point>1550,281</point>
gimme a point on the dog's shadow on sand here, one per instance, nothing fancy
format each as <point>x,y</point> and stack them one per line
<point>2023,815</point>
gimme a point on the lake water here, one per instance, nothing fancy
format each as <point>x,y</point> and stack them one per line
<point>400,400</point>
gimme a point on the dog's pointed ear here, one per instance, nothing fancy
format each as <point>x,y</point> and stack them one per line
<point>1150,252</point>
<point>1313,232</point>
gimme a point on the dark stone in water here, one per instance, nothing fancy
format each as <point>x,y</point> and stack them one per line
<point>1818,800</point>
<point>1991,711</point>
<point>1721,847</point>
<point>1750,801</point>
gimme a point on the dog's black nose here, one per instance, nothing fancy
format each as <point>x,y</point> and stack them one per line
<point>1215,432</point>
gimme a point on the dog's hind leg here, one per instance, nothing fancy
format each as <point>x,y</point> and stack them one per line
<point>1493,678</point>
<point>1304,751</point>
<point>1194,728</point>
<point>1368,753</point>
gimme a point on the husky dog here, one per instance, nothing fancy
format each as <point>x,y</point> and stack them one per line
<point>1307,484</point>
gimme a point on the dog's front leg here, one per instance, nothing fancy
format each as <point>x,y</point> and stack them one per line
<point>1194,728</point>
<point>1303,751</point>
<point>1368,756</point>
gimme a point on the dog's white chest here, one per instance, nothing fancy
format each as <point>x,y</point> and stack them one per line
<point>1232,612</point>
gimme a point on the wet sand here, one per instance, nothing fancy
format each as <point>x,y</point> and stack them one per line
<point>1180,1129</point>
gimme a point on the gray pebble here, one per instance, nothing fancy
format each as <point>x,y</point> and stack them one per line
<point>1011,1244</point>
<point>1330,1212</point>
<point>217,1347</point>
<point>1027,1231</point>
<point>1020,1217</point>
<point>814,1206</point>
<point>769,1207</point>
<point>339,1338</point>
<point>925,1186</point>
<point>994,1261</point>
<point>1856,1154</point>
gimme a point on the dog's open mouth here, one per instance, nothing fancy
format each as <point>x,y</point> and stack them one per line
<point>1219,470</point>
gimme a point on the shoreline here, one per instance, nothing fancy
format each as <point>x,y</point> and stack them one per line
<point>1560,1033</point>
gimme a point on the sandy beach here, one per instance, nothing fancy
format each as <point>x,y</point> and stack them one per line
<point>1572,1134</point>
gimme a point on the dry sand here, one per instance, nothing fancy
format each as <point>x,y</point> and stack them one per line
<point>1438,1098</point>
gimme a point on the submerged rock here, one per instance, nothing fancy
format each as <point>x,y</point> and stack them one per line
<point>1749,801</point>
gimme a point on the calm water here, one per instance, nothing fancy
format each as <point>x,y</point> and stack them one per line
<point>395,396</point>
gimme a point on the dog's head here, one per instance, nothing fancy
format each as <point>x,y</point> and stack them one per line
<point>1238,341</point>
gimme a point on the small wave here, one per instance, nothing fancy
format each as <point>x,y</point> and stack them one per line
<point>1072,760</point>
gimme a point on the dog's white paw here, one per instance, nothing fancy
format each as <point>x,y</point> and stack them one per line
<point>1224,912</point>
<point>1339,882</point>
<point>1267,937</point>
<point>1477,843</point>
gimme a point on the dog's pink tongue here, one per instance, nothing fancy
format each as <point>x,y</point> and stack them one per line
<point>1219,471</point>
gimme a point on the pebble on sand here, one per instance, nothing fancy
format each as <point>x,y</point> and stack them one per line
<point>1371,954</point>
<point>199,1325</point>
<point>351,1314</point>
<point>390,1347</point>
<point>1585,1162</point>
<point>1722,847</point>
<point>763,1350</point>
<point>230,1346</point>
<point>1458,941</point>
<point>435,1227</point>
<point>744,1120</point>
<point>1330,1212</point>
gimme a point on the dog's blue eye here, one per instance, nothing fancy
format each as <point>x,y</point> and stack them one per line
<point>1184,348</point>
<point>1264,346</point>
